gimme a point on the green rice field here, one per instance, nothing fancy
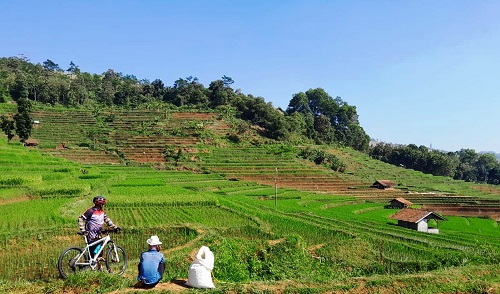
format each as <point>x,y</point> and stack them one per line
<point>259,233</point>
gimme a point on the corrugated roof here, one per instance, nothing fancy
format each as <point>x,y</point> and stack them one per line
<point>414,215</point>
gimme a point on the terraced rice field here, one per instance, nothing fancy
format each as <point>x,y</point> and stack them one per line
<point>263,167</point>
<point>137,136</point>
<point>257,210</point>
<point>141,136</point>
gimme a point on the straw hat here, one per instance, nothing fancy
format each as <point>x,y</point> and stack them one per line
<point>154,240</point>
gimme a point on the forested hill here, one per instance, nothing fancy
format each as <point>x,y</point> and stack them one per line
<point>312,116</point>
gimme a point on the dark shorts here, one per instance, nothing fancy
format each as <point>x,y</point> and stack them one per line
<point>92,248</point>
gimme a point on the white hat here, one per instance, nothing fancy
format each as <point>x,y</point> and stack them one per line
<point>154,240</point>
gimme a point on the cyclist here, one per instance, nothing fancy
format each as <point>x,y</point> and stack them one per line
<point>93,219</point>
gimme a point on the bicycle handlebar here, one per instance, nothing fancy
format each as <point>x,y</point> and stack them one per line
<point>117,230</point>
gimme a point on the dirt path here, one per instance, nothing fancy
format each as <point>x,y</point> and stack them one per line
<point>201,234</point>
<point>14,200</point>
<point>176,286</point>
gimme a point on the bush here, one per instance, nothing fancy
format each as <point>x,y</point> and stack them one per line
<point>321,157</point>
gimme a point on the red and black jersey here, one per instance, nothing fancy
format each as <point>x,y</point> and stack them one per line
<point>92,221</point>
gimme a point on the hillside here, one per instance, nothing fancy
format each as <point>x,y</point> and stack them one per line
<point>276,222</point>
<point>199,140</point>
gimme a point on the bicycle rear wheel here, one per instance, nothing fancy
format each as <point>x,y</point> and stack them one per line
<point>116,262</point>
<point>68,262</point>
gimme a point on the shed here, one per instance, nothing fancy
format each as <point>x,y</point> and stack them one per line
<point>61,146</point>
<point>400,202</point>
<point>417,219</point>
<point>383,184</point>
<point>31,143</point>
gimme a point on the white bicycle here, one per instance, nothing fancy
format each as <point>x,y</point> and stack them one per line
<point>75,259</point>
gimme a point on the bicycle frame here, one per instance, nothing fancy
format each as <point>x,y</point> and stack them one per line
<point>92,262</point>
<point>74,258</point>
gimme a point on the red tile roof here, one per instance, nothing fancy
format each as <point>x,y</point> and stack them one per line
<point>402,200</point>
<point>414,215</point>
<point>386,183</point>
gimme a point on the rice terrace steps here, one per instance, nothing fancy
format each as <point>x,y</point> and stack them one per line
<point>137,135</point>
<point>86,156</point>
<point>142,136</point>
<point>259,165</point>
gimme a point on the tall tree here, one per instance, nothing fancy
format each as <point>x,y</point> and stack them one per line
<point>158,89</point>
<point>299,103</point>
<point>19,90</point>
<point>484,164</point>
<point>220,92</point>
<point>23,120</point>
<point>73,68</point>
<point>187,91</point>
<point>343,119</point>
<point>321,103</point>
<point>324,129</point>
<point>51,65</point>
<point>7,126</point>
<point>110,83</point>
<point>4,84</point>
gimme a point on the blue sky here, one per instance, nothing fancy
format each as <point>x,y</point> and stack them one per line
<point>422,72</point>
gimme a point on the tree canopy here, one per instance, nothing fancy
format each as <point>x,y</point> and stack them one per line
<point>312,116</point>
<point>464,164</point>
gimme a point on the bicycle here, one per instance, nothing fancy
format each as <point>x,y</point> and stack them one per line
<point>75,259</point>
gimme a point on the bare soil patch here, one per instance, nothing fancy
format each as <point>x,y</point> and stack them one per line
<point>488,188</point>
<point>16,199</point>
<point>178,285</point>
<point>456,210</point>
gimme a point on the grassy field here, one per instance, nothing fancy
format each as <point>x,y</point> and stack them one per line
<point>295,237</point>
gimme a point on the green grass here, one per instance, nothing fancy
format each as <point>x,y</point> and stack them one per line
<point>305,241</point>
<point>32,215</point>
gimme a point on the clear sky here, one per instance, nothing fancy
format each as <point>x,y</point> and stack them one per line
<point>424,72</point>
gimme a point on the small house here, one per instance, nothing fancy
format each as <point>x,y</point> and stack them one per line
<point>61,146</point>
<point>31,143</point>
<point>400,202</point>
<point>383,184</point>
<point>417,219</point>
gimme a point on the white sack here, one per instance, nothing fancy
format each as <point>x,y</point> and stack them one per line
<point>200,270</point>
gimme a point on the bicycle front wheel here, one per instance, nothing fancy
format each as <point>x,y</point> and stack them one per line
<point>71,261</point>
<point>116,261</point>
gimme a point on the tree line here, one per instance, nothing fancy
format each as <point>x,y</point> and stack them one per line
<point>465,164</point>
<point>312,116</point>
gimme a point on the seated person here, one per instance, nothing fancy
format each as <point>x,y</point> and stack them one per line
<point>152,265</point>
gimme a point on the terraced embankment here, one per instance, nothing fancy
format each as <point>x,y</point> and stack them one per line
<point>142,136</point>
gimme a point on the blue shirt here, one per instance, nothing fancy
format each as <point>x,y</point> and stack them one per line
<point>148,266</point>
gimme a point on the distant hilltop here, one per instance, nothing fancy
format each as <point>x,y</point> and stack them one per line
<point>497,155</point>
<point>374,142</point>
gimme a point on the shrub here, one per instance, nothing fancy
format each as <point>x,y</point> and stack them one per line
<point>321,157</point>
